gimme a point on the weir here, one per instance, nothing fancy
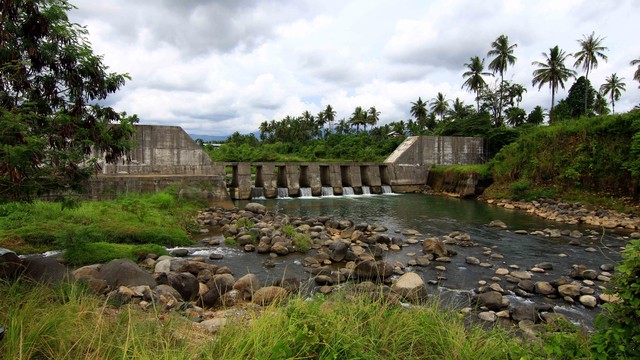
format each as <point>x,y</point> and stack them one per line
<point>166,155</point>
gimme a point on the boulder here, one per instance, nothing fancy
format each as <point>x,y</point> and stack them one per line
<point>498,224</point>
<point>86,272</point>
<point>167,292</point>
<point>163,265</point>
<point>490,299</point>
<point>373,270</point>
<point>544,288</point>
<point>45,270</point>
<point>411,287</point>
<point>489,316</point>
<point>10,264</point>
<point>268,295</point>
<point>339,250</point>
<point>520,313</point>
<point>472,260</point>
<point>435,247</point>
<point>125,272</point>
<point>247,285</point>
<point>179,252</point>
<point>185,283</point>
<point>588,301</point>
<point>256,208</point>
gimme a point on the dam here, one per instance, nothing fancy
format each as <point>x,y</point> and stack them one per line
<point>167,156</point>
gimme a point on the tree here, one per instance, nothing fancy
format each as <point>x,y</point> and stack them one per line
<point>419,112</point>
<point>51,84</point>
<point>459,110</point>
<point>575,98</point>
<point>474,81</point>
<point>590,50</point>
<point>515,92</point>
<point>440,105</point>
<point>516,116</point>
<point>504,57</point>
<point>536,116</point>
<point>329,116</point>
<point>636,75</point>
<point>552,71</point>
<point>614,86</point>
<point>358,118</point>
<point>600,106</point>
<point>372,117</point>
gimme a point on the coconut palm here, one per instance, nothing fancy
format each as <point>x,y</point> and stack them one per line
<point>590,50</point>
<point>329,116</point>
<point>636,75</point>
<point>358,118</point>
<point>419,111</point>
<point>504,57</point>
<point>440,105</point>
<point>459,110</point>
<point>474,81</point>
<point>515,93</point>
<point>372,117</point>
<point>552,71</point>
<point>613,86</point>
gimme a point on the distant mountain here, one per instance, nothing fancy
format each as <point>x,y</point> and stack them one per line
<point>209,137</point>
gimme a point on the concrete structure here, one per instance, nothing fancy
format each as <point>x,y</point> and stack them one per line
<point>440,150</point>
<point>163,156</point>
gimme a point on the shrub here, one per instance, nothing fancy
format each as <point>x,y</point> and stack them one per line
<point>618,328</point>
<point>230,241</point>
<point>302,242</point>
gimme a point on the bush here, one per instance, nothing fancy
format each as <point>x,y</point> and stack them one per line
<point>618,328</point>
<point>101,252</point>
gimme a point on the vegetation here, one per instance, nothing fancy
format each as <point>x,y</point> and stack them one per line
<point>552,71</point>
<point>98,231</point>
<point>50,118</point>
<point>68,322</point>
<point>596,155</point>
<point>618,327</point>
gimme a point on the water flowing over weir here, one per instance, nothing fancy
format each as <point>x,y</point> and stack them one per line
<point>366,190</point>
<point>348,191</point>
<point>257,193</point>
<point>434,216</point>
<point>305,193</point>
<point>327,191</point>
<point>283,193</point>
<point>386,189</point>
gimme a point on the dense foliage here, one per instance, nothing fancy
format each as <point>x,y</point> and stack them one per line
<point>50,86</point>
<point>597,154</point>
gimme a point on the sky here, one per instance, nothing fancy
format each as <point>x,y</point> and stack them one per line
<point>215,67</point>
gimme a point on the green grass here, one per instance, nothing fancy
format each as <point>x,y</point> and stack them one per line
<point>160,219</point>
<point>67,322</point>
<point>481,169</point>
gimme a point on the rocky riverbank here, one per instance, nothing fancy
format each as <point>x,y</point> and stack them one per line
<point>340,255</point>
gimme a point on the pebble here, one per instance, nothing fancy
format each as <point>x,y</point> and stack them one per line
<point>440,268</point>
<point>502,271</point>
<point>485,265</point>
<point>590,250</point>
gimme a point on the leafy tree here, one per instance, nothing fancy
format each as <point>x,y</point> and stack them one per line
<point>516,116</point>
<point>590,50</point>
<point>536,116</point>
<point>50,87</point>
<point>491,100</point>
<point>440,105</point>
<point>475,81</point>
<point>636,74</point>
<point>504,57</point>
<point>613,86</point>
<point>552,71</point>
<point>459,110</point>
<point>419,112</point>
<point>576,95</point>
<point>600,106</point>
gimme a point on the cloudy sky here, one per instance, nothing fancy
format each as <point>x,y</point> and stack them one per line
<point>219,66</point>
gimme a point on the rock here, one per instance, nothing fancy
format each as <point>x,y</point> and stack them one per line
<point>609,298</point>
<point>256,208</point>
<point>520,313</point>
<point>339,250</point>
<point>247,285</point>
<point>86,272</point>
<point>185,284</point>
<point>443,259</point>
<point>544,288</point>
<point>268,295</point>
<point>46,270</point>
<point>373,270</point>
<point>521,232</point>
<point>434,246</point>
<point>411,287</point>
<point>10,264</point>
<point>279,248</point>
<point>179,252</point>
<point>168,292</point>
<point>544,266</point>
<point>588,301</point>
<point>502,271</point>
<point>125,272</point>
<point>575,234</point>
<point>213,325</point>
<point>591,250</point>
<point>522,275</point>
<point>163,265</point>
<point>489,316</point>
<point>491,299</point>
<point>570,290</point>
<point>635,235</point>
<point>498,224</point>
<point>527,285</point>
<point>214,256</point>
<point>472,260</point>
<point>607,267</point>
<point>550,317</point>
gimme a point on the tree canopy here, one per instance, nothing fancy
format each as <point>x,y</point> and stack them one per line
<point>51,86</point>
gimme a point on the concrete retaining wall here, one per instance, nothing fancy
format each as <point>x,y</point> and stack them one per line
<point>440,150</point>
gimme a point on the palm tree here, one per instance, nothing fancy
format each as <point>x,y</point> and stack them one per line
<point>264,130</point>
<point>474,81</point>
<point>330,116</point>
<point>590,50</point>
<point>459,110</point>
<point>636,75</point>
<point>419,111</point>
<point>552,71</point>
<point>372,117</point>
<point>613,86</point>
<point>358,118</point>
<point>515,92</point>
<point>440,105</point>
<point>503,53</point>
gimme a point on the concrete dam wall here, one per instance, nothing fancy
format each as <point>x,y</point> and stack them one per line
<point>166,155</point>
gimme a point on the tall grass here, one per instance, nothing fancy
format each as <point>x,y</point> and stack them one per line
<point>67,322</point>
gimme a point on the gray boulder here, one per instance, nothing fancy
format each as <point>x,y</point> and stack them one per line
<point>491,299</point>
<point>10,264</point>
<point>411,287</point>
<point>45,270</point>
<point>125,272</point>
<point>256,208</point>
<point>373,270</point>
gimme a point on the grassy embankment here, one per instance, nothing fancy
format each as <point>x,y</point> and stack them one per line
<point>69,323</point>
<point>98,231</point>
<point>590,160</point>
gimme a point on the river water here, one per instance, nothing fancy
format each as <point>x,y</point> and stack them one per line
<point>437,216</point>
